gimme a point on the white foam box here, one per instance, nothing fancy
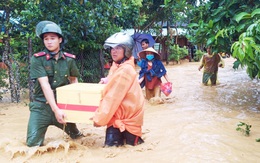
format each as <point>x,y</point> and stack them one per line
<point>79,101</point>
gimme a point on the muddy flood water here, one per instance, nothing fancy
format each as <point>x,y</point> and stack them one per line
<point>195,124</point>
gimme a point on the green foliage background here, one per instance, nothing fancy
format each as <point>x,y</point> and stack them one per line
<point>176,53</point>
<point>227,26</point>
<point>198,55</point>
<point>85,26</point>
<point>231,27</point>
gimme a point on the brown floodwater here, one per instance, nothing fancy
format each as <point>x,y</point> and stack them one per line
<point>196,123</point>
<point>203,119</point>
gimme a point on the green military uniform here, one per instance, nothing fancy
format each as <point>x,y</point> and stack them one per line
<point>41,114</point>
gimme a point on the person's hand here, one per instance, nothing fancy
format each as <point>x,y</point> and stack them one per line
<point>96,125</point>
<point>103,81</point>
<point>199,68</point>
<point>140,81</point>
<point>60,116</point>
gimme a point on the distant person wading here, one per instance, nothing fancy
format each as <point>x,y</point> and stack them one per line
<point>152,69</point>
<point>210,61</point>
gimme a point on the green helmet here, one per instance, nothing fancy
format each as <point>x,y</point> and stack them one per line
<point>51,28</point>
<point>122,39</point>
<point>48,27</point>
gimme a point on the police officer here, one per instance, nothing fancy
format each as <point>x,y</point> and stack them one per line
<point>49,70</point>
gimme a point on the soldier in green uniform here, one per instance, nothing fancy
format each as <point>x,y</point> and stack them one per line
<point>49,70</point>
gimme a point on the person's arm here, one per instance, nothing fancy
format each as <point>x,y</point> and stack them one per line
<point>166,77</point>
<point>49,95</point>
<point>116,89</point>
<point>140,80</point>
<point>200,67</point>
<point>222,62</point>
<point>201,63</point>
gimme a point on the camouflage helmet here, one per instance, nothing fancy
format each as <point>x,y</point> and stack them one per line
<point>121,39</point>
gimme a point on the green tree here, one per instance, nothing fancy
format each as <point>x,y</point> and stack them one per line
<point>247,48</point>
<point>215,23</point>
<point>10,47</point>
<point>85,26</point>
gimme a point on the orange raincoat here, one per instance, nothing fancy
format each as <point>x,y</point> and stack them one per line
<point>122,100</point>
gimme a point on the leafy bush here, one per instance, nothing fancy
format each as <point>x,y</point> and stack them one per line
<point>198,55</point>
<point>176,53</point>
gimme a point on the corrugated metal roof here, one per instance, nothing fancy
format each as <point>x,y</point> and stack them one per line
<point>181,31</point>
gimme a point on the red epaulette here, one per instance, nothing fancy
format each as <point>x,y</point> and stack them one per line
<point>39,54</point>
<point>69,55</point>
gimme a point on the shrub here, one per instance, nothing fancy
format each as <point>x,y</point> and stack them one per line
<point>176,53</point>
<point>198,55</point>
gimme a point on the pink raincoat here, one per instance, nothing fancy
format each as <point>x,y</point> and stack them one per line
<point>122,100</point>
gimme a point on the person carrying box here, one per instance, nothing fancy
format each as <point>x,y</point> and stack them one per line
<point>50,69</point>
<point>121,106</point>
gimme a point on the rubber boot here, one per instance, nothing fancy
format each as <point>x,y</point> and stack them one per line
<point>132,139</point>
<point>114,137</point>
<point>72,130</point>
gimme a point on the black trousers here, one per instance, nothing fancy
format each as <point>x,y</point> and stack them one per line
<point>116,138</point>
